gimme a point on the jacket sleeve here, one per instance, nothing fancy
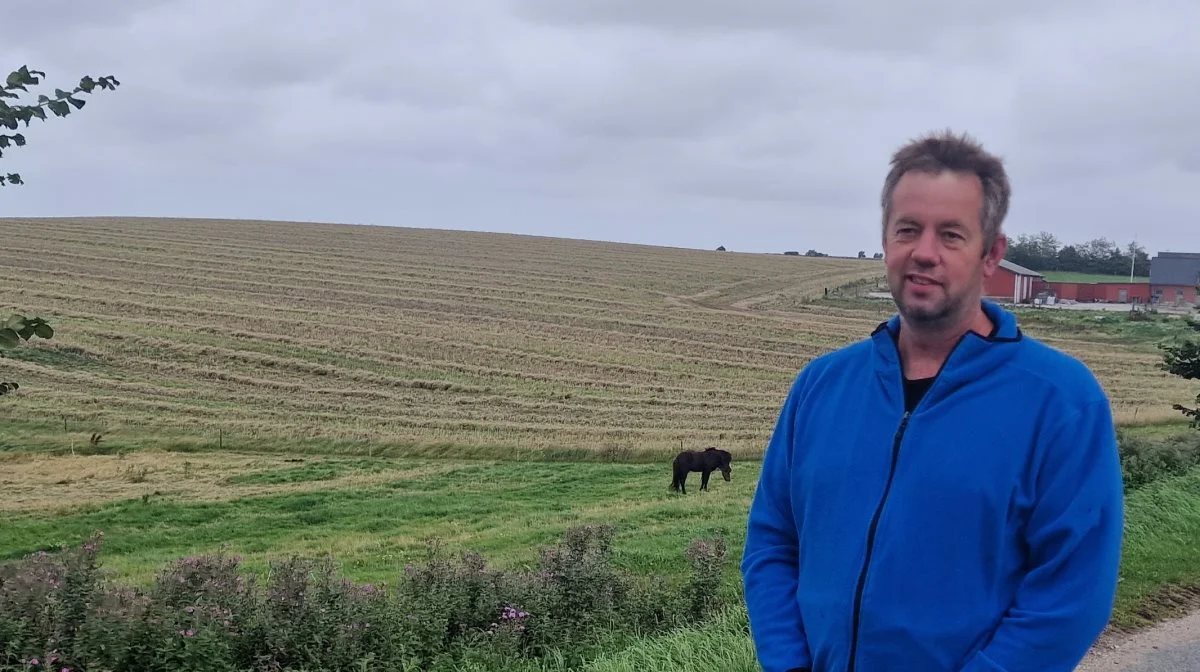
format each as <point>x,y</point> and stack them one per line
<point>770,557</point>
<point>1074,535</point>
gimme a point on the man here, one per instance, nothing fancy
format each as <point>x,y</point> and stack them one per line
<point>945,494</point>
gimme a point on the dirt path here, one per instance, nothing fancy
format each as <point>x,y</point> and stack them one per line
<point>1172,646</point>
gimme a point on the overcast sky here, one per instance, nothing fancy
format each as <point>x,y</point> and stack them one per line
<point>760,125</point>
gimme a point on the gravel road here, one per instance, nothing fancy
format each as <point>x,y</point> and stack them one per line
<point>1173,646</point>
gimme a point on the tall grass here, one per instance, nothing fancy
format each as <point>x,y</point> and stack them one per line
<point>721,643</point>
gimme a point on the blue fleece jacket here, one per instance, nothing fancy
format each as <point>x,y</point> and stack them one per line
<point>980,533</point>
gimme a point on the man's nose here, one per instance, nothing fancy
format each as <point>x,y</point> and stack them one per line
<point>926,250</point>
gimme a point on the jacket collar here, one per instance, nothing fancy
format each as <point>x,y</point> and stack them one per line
<point>973,357</point>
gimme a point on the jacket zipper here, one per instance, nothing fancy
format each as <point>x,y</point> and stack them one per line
<point>862,576</point>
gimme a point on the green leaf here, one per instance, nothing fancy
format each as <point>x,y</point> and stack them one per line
<point>44,330</point>
<point>15,322</point>
<point>9,338</point>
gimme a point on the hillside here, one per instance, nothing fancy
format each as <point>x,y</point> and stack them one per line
<point>233,332</point>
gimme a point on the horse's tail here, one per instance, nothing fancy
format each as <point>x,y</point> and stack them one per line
<point>675,475</point>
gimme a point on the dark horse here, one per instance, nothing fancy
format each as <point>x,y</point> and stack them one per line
<point>704,461</point>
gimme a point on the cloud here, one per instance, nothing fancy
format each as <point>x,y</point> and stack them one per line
<point>767,125</point>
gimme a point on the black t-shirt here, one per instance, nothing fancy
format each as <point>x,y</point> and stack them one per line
<point>915,389</point>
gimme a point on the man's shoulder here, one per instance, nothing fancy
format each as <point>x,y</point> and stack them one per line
<point>837,362</point>
<point>1069,376</point>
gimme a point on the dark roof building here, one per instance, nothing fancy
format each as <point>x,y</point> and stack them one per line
<point>1175,268</point>
<point>1175,277</point>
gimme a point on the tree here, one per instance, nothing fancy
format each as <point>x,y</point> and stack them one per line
<point>1043,252</point>
<point>60,106</point>
<point>1183,359</point>
<point>16,328</point>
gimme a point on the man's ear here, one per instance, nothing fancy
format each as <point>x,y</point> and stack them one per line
<point>993,256</point>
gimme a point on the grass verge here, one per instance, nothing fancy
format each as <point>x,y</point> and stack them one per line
<point>1160,568</point>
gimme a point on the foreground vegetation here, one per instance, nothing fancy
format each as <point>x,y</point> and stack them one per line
<point>202,613</point>
<point>454,565</point>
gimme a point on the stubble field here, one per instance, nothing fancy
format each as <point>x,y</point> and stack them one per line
<point>286,388</point>
<point>232,333</point>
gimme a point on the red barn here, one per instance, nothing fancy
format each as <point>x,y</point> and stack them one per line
<point>1102,292</point>
<point>1011,282</point>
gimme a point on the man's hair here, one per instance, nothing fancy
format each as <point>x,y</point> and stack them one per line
<point>941,151</point>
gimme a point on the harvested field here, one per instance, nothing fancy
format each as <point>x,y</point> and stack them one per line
<point>238,331</point>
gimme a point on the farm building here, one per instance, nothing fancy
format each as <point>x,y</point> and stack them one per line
<point>1011,282</point>
<point>1175,277</point>
<point>1101,292</point>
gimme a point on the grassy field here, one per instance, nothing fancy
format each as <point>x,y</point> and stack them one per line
<point>372,514</point>
<point>281,389</point>
<point>238,333</point>
<point>1070,276</point>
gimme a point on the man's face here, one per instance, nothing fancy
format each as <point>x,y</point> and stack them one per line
<point>933,247</point>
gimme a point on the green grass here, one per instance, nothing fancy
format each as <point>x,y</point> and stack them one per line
<point>723,643</point>
<point>1145,330</point>
<point>504,510</point>
<point>1162,548</point>
<point>1070,276</point>
<point>320,471</point>
<point>507,510</point>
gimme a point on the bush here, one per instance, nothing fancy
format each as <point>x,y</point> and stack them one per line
<point>707,557</point>
<point>203,613</point>
<point>1143,462</point>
